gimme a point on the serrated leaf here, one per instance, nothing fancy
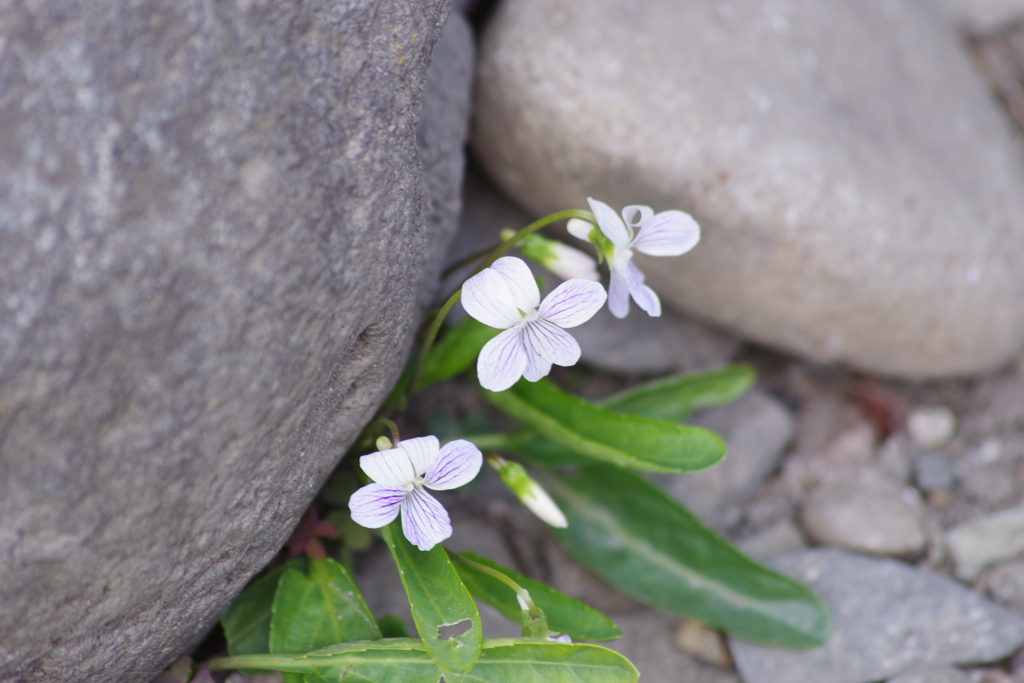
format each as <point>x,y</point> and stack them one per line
<point>437,599</point>
<point>502,660</point>
<point>319,609</point>
<point>565,615</point>
<point>630,441</point>
<point>246,624</point>
<point>673,398</point>
<point>456,351</point>
<point>630,533</point>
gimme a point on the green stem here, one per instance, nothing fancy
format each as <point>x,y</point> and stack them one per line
<point>392,427</point>
<point>529,230</point>
<point>493,255</point>
<point>263,662</point>
<point>504,578</point>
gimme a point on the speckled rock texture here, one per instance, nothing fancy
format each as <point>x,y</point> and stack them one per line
<point>857,185</point>
<point>212,235</point>
<point>889,619</point>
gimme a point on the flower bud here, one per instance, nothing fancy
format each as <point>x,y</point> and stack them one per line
<point>529,492</point>
<point>384,443</point>
<point>561,259</point>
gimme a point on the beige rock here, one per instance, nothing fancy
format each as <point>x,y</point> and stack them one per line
<point>857,185</point>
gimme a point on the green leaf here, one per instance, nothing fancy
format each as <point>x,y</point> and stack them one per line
<point>323,608</point>
<point>456,351</point>
<point>392,626</point>
<point>438,599</point>
<point>246,624</point>
<point>531,446</point>
<point>565,615</point>
<point>629,532</point>
<point>626,440</point>
<point>673,398</point>
<point>401,660</point>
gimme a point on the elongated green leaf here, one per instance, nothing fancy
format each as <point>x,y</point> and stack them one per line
<point>626,440</point>
<point>323,608</point>
<point>437,599</point>
<point>673,398</point>
<point>400,660</point>
<point>565,615</point>
<point>246,624</point>
<point>456,351</point>
<point>531,446</point>
<point>629,532</point>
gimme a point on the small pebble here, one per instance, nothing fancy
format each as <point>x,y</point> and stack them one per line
<point>893,459</point>
<point>933,472</point>
<point>931,427</point>
<point>870,516</point>
<point>1006,584</point>
<point>702,643</point>
<point>985,541</point>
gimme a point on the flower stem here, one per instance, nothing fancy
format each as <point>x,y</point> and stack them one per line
<point>383,421</point>
<point>504,578</point>
<point>492,256</point>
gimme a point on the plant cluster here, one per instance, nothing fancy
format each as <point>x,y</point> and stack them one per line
<point>586,459</point>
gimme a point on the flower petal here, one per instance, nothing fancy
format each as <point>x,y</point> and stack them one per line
<point>456,465</point>
<point>618,292</point>
<point>573,303</point>
<point>422,452</point>
<point>424,521</point>
<point>520,282</point>
<point>669,233</point>
<point>376,505</point>
<point>643,295</point>
<point>486,296</point>
<point>570,263</point>
<point>391,467</point>
<point>536,367</point>
<point>550,342</point>
<point>502,361</point>
<point>629,214</point>
<point>610,223</point>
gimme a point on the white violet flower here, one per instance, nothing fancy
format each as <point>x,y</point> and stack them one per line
<point>669,233</point>
<point>401,475</point>
<point>506,296</point>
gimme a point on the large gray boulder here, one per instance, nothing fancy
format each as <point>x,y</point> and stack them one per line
<point>858,187</point>
<point>212,234</point>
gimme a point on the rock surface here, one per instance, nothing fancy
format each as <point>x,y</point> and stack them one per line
<point>832,184</point>
<point>933,674</point>
<point>756,429</point>
<point>889,619</point>
<point>213,233</point>
<point>870,515</point>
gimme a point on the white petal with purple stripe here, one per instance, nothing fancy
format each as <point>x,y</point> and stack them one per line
<point>573,303</point>
<point>376,505</point>
<point>456,465</point>
<point>424,521</point>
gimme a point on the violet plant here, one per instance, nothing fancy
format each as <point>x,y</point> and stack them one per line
<point>306,617</point>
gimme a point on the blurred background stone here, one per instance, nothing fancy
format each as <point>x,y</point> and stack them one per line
<point>832,182</point>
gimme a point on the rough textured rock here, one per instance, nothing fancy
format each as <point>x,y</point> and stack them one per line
<point>889,619</point>
<point>933,674</point>
<point>1006,584</point>
<point>870,515</point>
<point>833,184</point>
<point>756,429</point>
<point>986,540</point>
<point>212,235</point>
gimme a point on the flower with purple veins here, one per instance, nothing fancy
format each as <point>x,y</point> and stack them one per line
<point>401,476</point>
<point>669,233</point>
<point>506,296</point>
